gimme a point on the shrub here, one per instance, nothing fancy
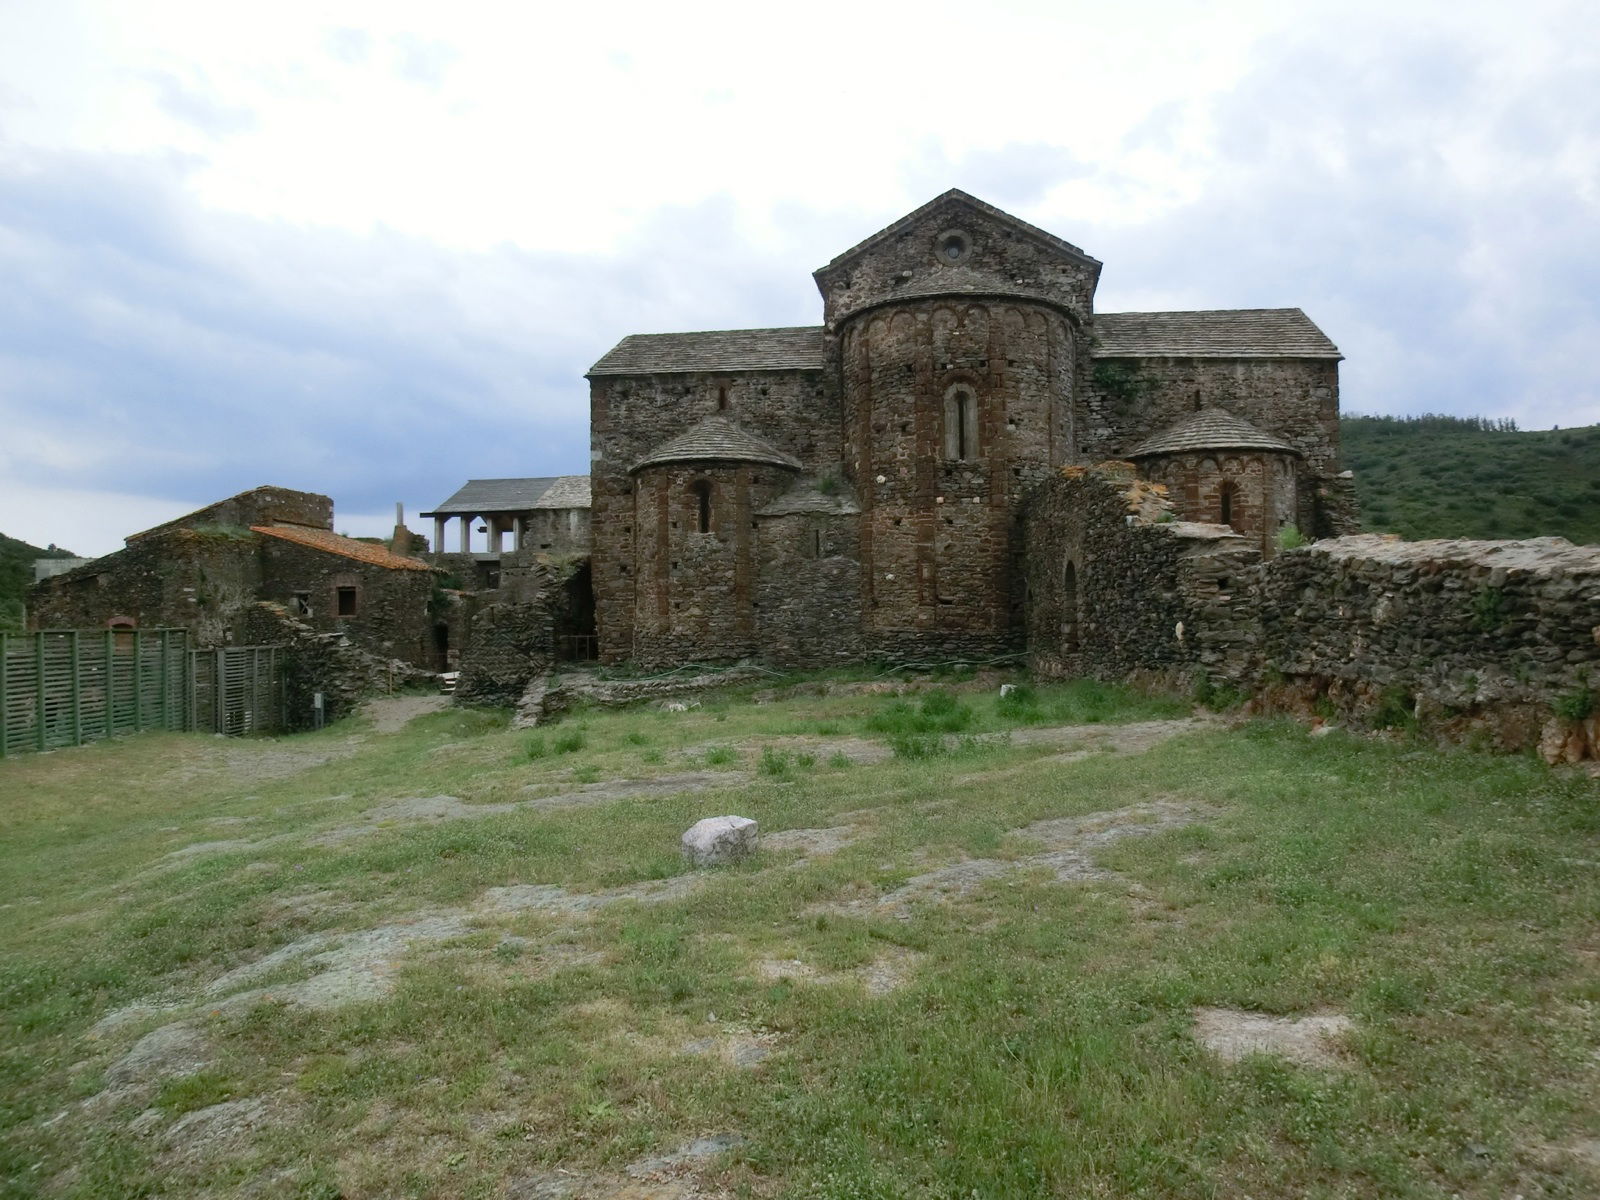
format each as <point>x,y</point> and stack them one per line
<point>536,747</point>
<point>571,741</point>
<point>1397,709</point>
<point>1290,538</point>
<point>1488,608</point>
<point>718,756</point>
<point>1576,705</point>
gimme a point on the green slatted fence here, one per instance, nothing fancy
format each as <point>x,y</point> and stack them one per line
<point>66,687</point>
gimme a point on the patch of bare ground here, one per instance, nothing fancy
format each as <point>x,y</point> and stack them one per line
<point>670,1176</point>
<point>734,1046</point>
<point>428,810</point>
<point>391,714</point>
<point>888,972</point>
<point>1232,1035</point>
<point>812,843</point>
<point>1068,847</point>
<point>252,761</point>
<point>1084,741</point>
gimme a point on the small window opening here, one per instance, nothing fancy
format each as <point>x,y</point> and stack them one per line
<point>722,398</point>
<point>960,424</point>
<point>302,604</point>
<point>1227,505</point>
<point>1069,609</point>
<point>346,597</point>
<point>702,501</point>
<point>816,543</point>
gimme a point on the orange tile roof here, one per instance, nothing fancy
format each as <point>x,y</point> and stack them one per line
<point>333,543</point>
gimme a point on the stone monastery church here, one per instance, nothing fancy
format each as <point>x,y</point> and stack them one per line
<point>860,487</point>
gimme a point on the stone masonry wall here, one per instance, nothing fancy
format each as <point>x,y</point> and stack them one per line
<point>509,645</point>
<point>797,411</point>
<point>315,661</point>
<point>938,539</point>
<point>1486,639</point>
<point>1495,641</point>
<point>391,617</point>
<point>180,578</point>
<point>997,259</point>
<point>1116,587</point>
<point>1296,399</point>
<point>808,588</point>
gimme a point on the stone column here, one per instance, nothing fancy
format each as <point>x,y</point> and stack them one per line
<point>438,535</point>
<point>520,527</point>
<point>466,533</point>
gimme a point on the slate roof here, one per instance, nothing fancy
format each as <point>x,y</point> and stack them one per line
<point>797,348</point>
<point>807,496</point>
<point>971,201</point>
<point>371,553</point>
<point>568,491</point>
<point>717,439</point>
<point>515,495</point>
<point>1213,333</point>
<point>1210,429</point>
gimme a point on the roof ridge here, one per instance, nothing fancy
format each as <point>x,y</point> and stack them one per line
<point>956,194</point>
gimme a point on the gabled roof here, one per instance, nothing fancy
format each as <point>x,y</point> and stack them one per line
<point>957,196</point>
<point>717,439</point>
<point>1210,429</point>
<point>1213,333</point>
<point>371,553</point>
<point>515,495</point>
<point>796,348</point>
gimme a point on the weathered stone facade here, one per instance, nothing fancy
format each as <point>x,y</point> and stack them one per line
<point>204,571</point>
<point>961,364</point>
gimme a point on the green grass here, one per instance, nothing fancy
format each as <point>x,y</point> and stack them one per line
<point>1040,1045</point>
<point>1445,477</point>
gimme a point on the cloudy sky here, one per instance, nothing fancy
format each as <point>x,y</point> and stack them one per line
<point>369,249</point>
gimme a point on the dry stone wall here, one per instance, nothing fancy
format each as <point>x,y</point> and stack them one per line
<point>1495,640</point>
<point>1490,641</point>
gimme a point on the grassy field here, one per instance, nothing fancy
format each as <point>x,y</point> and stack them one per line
<point>985,950</point>
<point>1445,477</point>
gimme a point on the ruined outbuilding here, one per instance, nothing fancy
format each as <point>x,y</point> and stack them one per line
<point>210,570</point>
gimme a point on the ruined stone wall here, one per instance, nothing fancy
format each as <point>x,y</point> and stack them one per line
<point>315,661</point>
<point>180,578</point>
<point>391,616</point>
<point>259,506</point>
<point>996,258</point>
<point>695,591</point>
<point>939,540</point>
<point>1263,498</point>
<point>1485,638</point>
<point>556,531</point>
<point>1116,587</point>
<point>509,645</point>
<point>1297,399</point>
<point>797,411</point>
<point>808,589</point>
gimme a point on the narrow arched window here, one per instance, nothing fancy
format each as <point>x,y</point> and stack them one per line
<point>722,398</point>
<point>1228,504</point>
<point>960,423</point>
<point>701,490</point>
<point>1069,609</point>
